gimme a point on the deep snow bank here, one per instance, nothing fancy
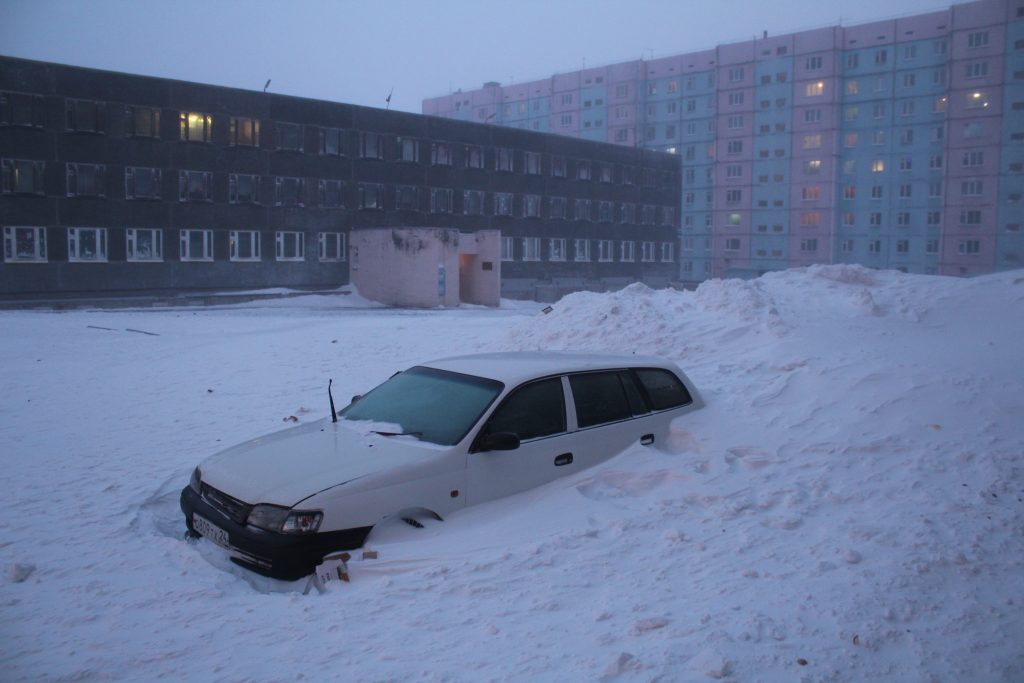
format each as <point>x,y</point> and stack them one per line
<point>848,506</point>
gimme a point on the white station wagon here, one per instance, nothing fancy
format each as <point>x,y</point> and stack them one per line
<point>431,440</point>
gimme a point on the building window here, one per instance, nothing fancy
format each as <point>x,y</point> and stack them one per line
<point>811,193</point>
<point>581,250</point>
<point>503,204</point>
<point>812,141</point>
<point>649,214</point>
<point>581,210</point>
<point>556,249</point>
<point>627,251</point>
<point>473,202</point>
<point>22,176</point>
<point>668,252</point>
<point>474,156</point>
<point>504,160</point>
<point>906,190</point>
<point>407,198</point>
<point>87,180</point>
<point>878,166</point>
<point>557,207</point>
<point>440,200</point>
<point>931,247</point>
<point>331,246</point>
<point>907,108</point>
<point>812,166</point>
<point>408,150</point>
<point>441,154</point>
<point>17,109</point>
<point>934,218</point>
<point>243,188</point>
<point>816,89</point>
<point>244,132</point>
<point>605,250</point>
<point>144,122</point>
<point>852,60</point>
<point>875,219</point>
<point>970,217</point>
<point>531,206</point>
<point>974,158</point>
<point>852,87</point>
<point>531,249</point>
<point>144,244</point>
<point>976,69</point>
<point>732,244</point>
<point>371,145</point>
<point>627,213</point>
<point>197,245</point>
<point>194,186</point>
<point>810,219</point>
<point>371,195</point>
<point>734,147</point>
<point>195,126</point>
<point>332,194</point>
<point>289,191</point>
<point>977,39</point>
<point>814,63</point>
<point>84,116</point>
<point>582,170</point>
<point>290,246</point>
<point>809,246</point>
<point>507,249</point>
<point>532,163</point>
<point>903,219</point>
<point>244,245</point>
<point>24,244</point>
<point>605,211</point>
<point>668,215</point>
<point>907,136</point>
<point>972,188</point>
<point>735,98</point>
<point>87,244</point>
<point>647,252</point>
<point>141,183</point>
<point>846,246</point>
<point>736,74</point>
<point>331,142</point>
<point>969,247</point>
<point>289,137</point>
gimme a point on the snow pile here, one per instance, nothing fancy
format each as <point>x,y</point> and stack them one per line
<point>849,505</point>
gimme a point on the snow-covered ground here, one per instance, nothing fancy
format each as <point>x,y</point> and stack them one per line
<point>848,507</point>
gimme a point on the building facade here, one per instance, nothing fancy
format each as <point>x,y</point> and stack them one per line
<point>894,144</point>
<point>122,183</point>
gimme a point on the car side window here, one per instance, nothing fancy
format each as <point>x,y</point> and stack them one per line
<point>599,398</point>
<point>531,411</point>
<point>664,389</point>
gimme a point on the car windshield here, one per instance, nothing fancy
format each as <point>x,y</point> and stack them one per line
<point>434,405</point>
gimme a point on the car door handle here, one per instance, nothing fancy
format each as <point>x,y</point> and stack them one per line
<point>647,439</point>
<point>563,459</point>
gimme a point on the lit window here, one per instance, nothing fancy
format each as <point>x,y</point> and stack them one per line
<point>878,166</point>
<point>815,89</point>
<point>195,126</point>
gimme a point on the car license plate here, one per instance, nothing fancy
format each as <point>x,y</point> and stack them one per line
<point>210,530</point>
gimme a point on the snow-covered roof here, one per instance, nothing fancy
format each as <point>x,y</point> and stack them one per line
<point>518,366</point>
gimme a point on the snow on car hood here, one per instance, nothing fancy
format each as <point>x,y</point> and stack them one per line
<point>286,467</point>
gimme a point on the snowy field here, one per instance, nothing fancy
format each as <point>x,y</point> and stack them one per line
<point>848,506</point>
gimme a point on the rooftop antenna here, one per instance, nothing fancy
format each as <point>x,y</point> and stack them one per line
<point>266,85</point>
<point>388,98</point>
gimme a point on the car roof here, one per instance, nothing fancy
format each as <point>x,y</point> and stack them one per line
<point>515,367</point>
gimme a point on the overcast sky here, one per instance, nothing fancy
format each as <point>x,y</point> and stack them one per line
<point>358,50</point>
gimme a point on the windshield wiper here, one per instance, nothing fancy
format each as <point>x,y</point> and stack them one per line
<point>399,433</point>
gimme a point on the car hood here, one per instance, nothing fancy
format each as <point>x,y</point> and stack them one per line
<point>289,466</point>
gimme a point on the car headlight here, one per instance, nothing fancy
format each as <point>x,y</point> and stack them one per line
<point>195,481</point>
<point>283,520</point>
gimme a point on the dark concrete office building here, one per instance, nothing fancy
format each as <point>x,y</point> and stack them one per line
<point>117,183</point>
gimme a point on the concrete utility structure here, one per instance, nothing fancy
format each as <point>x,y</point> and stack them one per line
<point>115,183</point>
<point>438,266</point>
<point>894,144</point>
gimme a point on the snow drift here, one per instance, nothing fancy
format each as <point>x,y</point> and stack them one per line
<point>849,505</point>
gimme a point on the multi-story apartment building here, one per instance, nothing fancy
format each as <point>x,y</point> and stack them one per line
<point>894,144</point>
<point>117,182</point>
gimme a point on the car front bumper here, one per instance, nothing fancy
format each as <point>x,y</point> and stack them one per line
<point>281,556</point>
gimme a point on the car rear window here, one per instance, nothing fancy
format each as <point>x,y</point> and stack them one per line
<point>531,411</point>
<point>664,389</point>
<point>599,398</point>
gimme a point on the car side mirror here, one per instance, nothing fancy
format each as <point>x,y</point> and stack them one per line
<point>356,398</point>
<point>499,441</point>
